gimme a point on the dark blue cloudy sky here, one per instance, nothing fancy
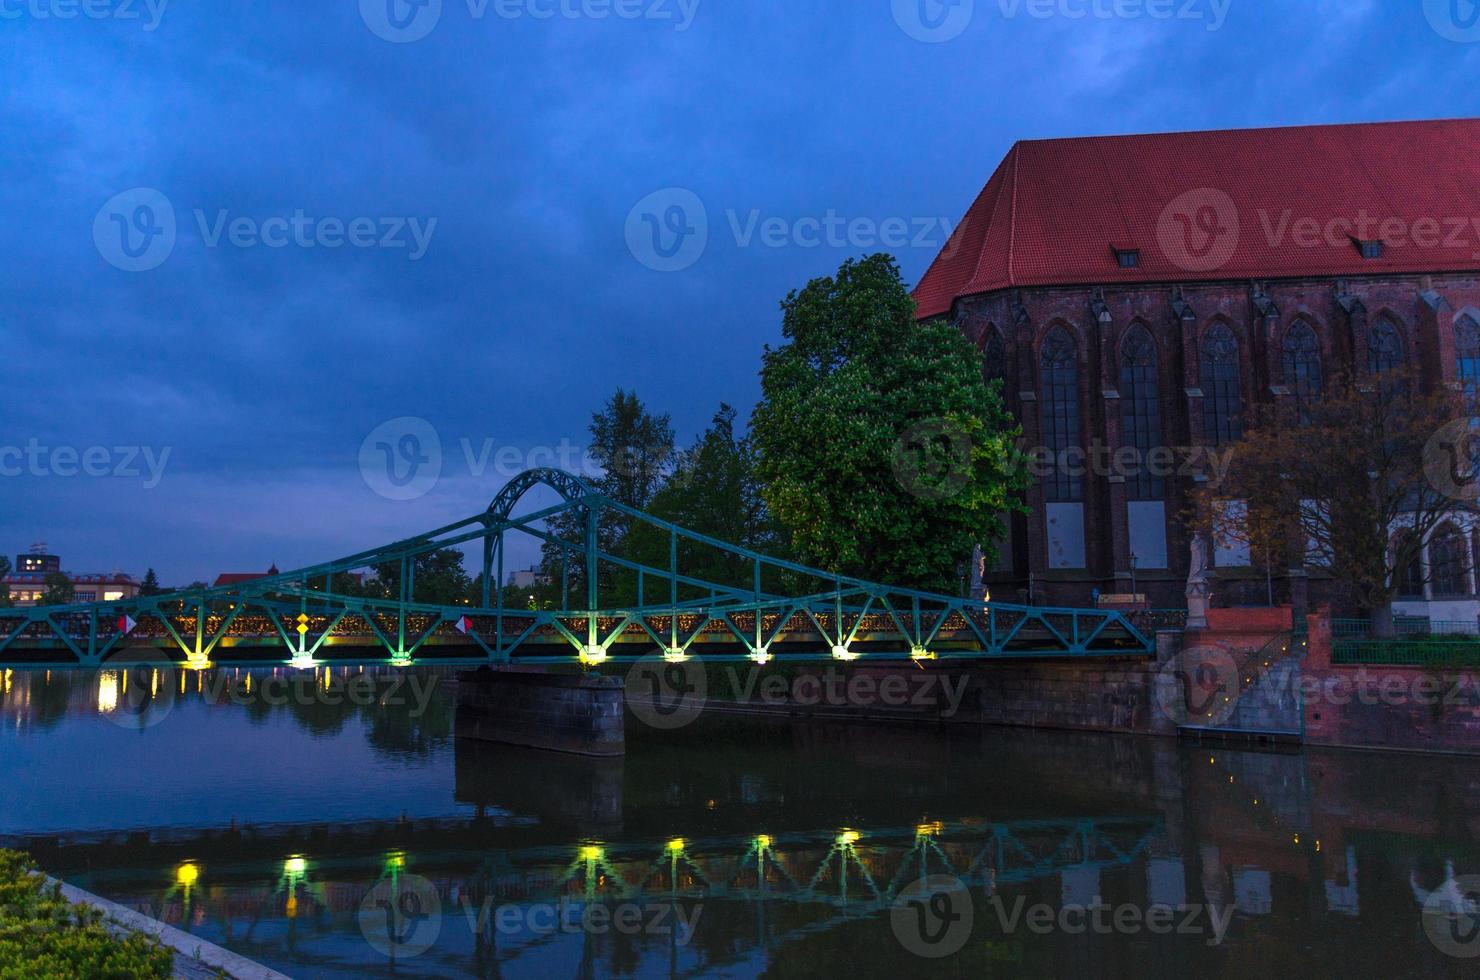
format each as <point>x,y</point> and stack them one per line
<point>189,315</point>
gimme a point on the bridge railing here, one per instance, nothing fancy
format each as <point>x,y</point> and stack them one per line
<point>838,617</point>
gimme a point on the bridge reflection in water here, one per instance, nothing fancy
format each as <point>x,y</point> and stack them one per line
<point>788,840</point>
<point>785,887</point>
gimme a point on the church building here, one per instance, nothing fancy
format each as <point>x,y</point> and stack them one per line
<point>1140,296</point>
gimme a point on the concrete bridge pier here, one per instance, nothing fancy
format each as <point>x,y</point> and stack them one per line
<point>576,713</point>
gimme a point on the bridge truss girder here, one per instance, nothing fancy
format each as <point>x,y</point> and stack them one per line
<point>296,616</point>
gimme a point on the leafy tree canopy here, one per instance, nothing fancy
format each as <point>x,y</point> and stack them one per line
<point>59,591</point>
<point>438,578</point>
<point>1354,484</point>
<point>634,448</point>
<point>882,450</point>
<point>714,491</point>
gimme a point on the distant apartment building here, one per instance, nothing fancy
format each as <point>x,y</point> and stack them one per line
<point>27,588</point>
<point>527,578</point>
<point>37,561</point>
<point>26,585</point>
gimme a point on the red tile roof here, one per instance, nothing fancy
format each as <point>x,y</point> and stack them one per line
<point>237,578</point>
<point>1218,205</point>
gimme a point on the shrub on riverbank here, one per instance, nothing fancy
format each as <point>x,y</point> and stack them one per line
<point>43,936</point>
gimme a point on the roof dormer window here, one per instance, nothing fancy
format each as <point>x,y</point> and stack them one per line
<point>1128,258</point>
<point>1370,249</point>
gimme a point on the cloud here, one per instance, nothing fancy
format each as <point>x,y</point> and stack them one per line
<point>529,142</point>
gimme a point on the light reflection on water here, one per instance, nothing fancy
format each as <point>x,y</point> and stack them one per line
<point>778,848</point>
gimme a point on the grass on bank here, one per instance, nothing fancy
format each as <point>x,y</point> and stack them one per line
<point>43,936</point>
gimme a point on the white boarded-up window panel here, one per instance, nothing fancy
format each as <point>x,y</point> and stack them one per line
<point>1313,512</point>
<point>1166,882</point>
<point>1147,521</point>
<point>1080,886</point>
<point>1230,550</point>
<point>1065,535</point>
<point>1253,891</point>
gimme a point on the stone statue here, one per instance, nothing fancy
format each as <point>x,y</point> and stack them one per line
<point>1197,585</point>
<point>978,573</point>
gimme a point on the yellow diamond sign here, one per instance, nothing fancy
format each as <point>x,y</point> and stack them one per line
<point>302,630</point>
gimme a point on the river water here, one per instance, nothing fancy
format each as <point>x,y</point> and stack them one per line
<point>339,829</point>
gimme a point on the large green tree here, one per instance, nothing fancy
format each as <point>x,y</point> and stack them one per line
<point>438,578</point>
<point>714,490</point>
<point>881,448</point>
<point>635,450</point>
<point>59,590</point>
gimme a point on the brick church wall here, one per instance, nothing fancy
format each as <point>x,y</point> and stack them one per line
<point>1340,311</point>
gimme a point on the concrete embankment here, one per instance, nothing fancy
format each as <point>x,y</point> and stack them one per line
<point>194,957</point>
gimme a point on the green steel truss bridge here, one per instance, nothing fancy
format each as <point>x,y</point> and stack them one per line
<point>704,599</point>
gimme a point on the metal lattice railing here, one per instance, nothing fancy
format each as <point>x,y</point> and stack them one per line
<point>811,614</point>
<point>1417,642</point>
<point>1408,626</point>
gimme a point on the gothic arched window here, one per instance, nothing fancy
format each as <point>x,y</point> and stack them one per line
<point>1059,359</point>
<point>1140,409</point>
<point>1467,353</point>
<point>1302,355</point>
<point>1449,562</point>
<point>1223,400</point>
<point>1410,572</point>
<point>994,359</point>
<point>1385,348</point>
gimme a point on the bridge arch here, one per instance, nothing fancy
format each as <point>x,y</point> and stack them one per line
<point>570,487</point>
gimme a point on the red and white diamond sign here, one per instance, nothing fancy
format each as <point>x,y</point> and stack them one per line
<point>126,624</point>
<point>465,625</point>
